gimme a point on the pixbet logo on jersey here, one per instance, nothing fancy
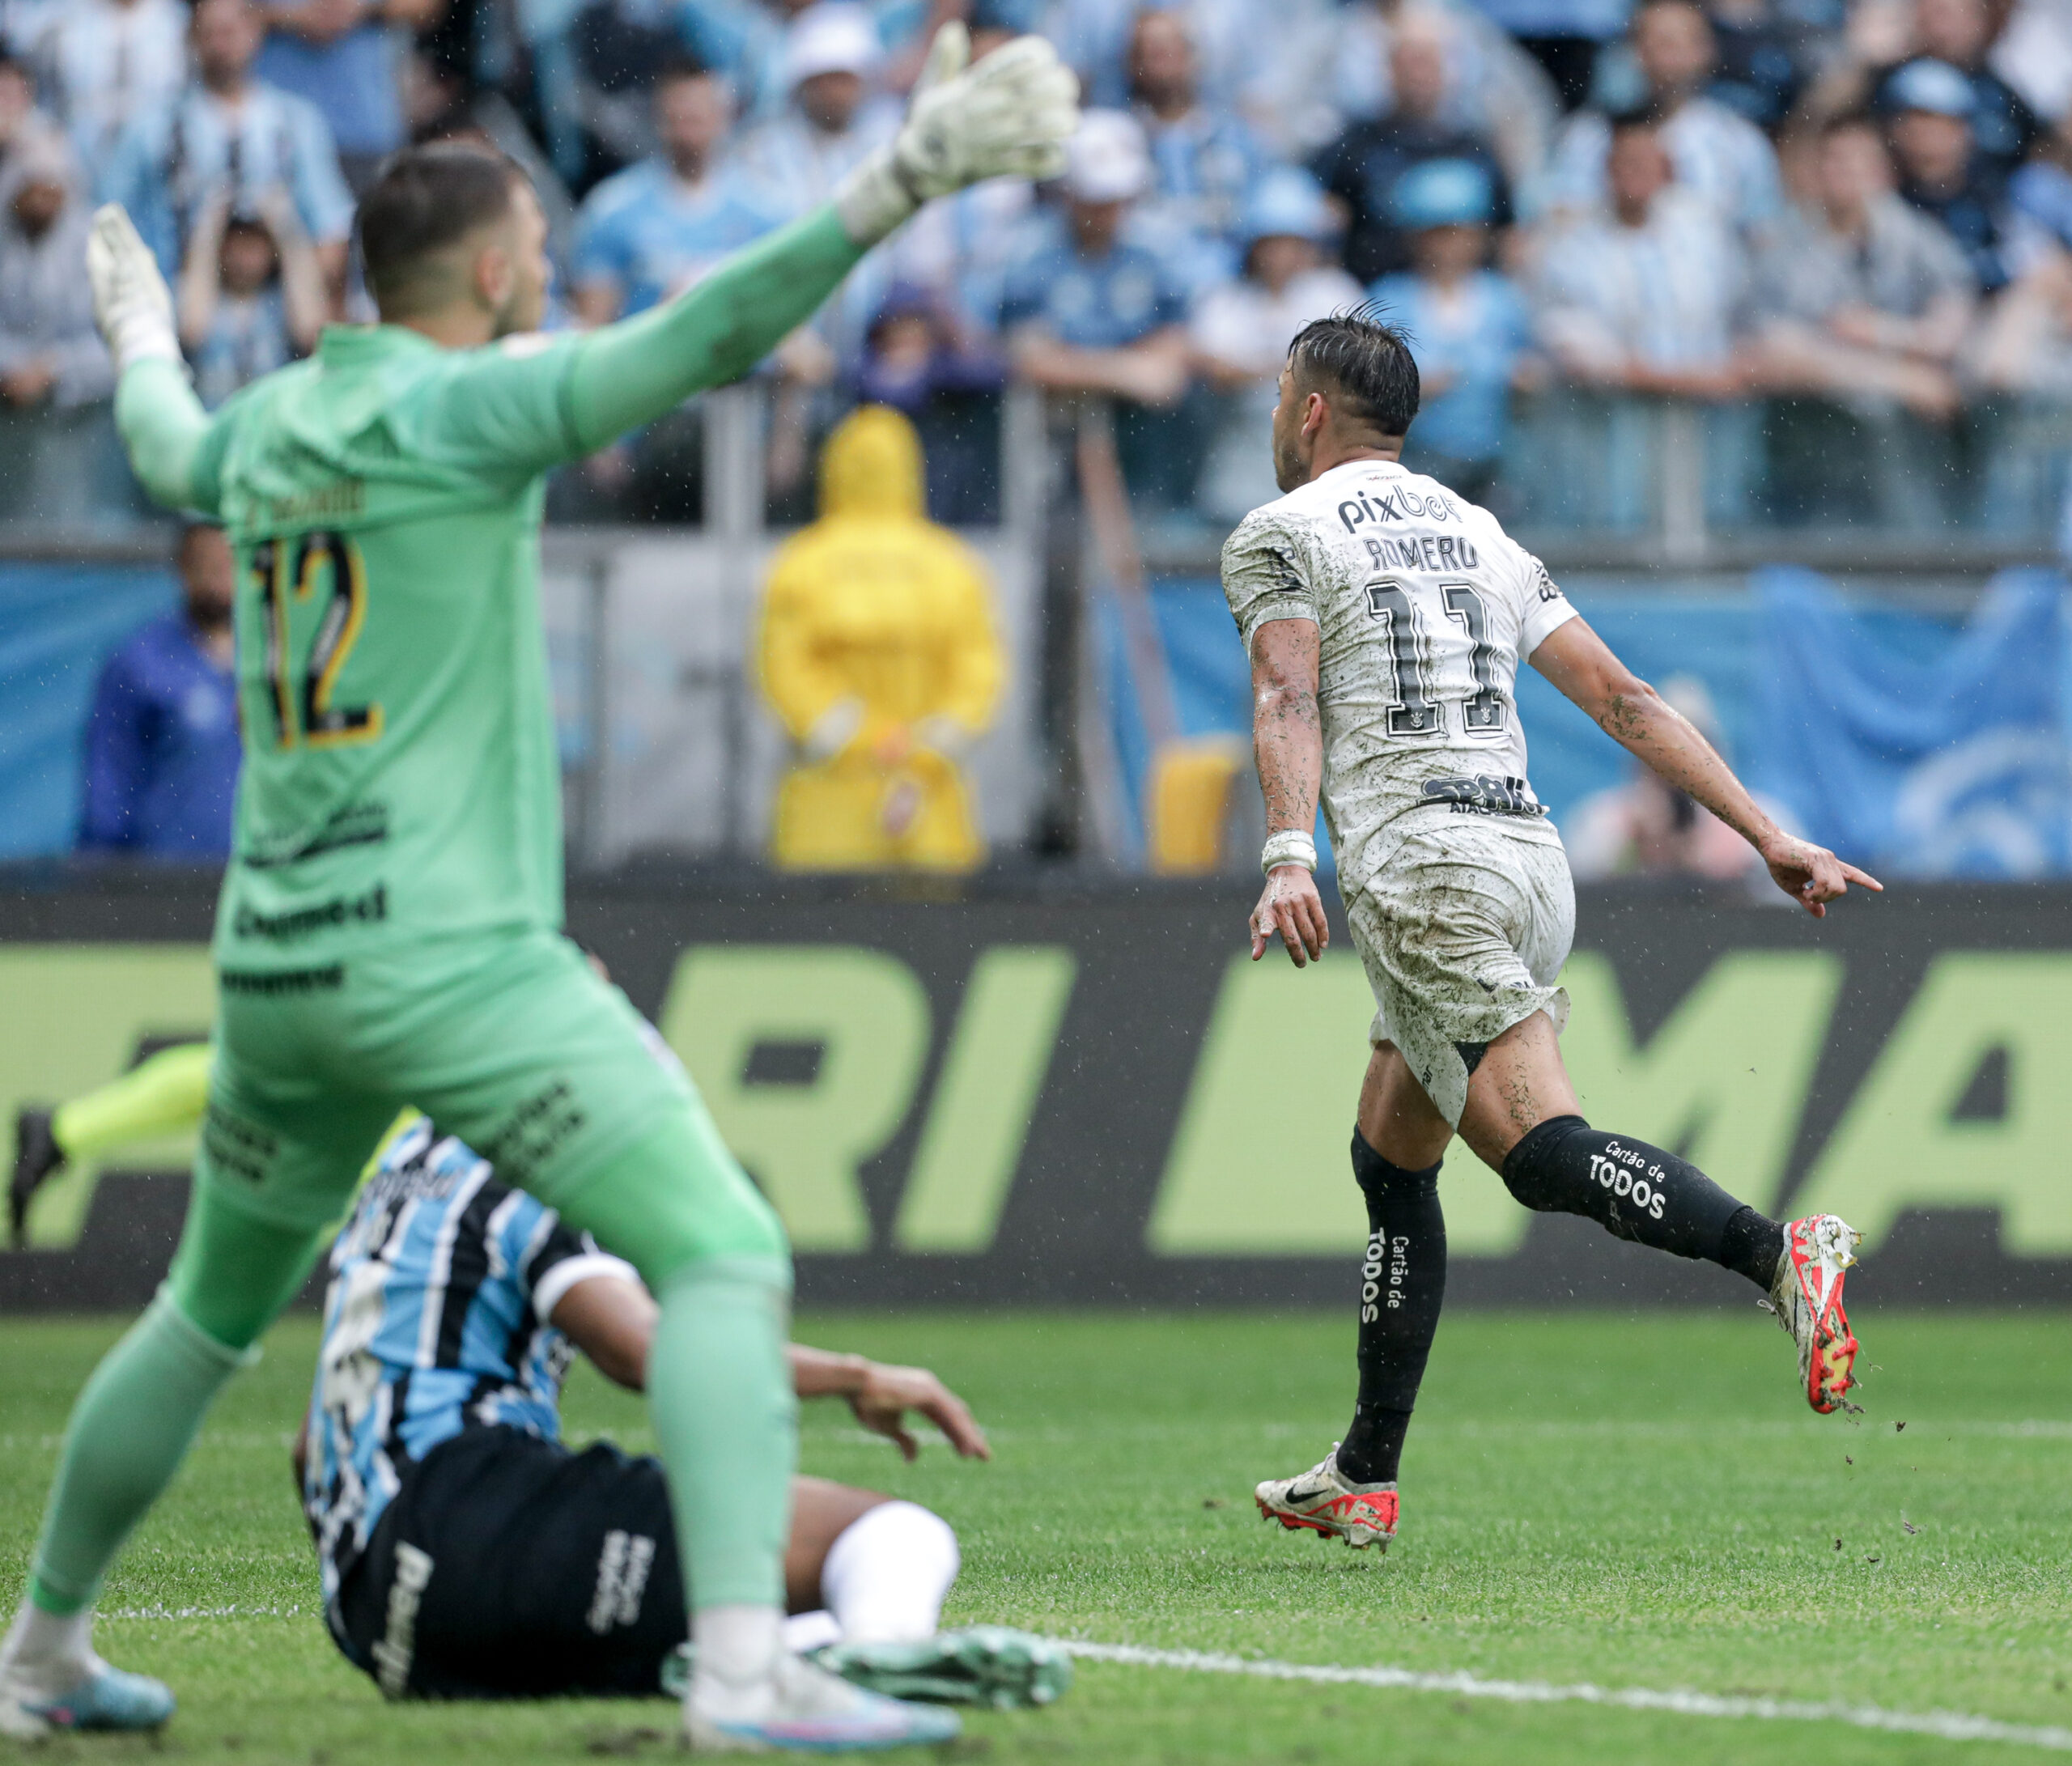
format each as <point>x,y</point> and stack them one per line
<point>1402,504</point>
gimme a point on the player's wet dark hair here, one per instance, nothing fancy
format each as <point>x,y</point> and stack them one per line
<point>1365,361</point>
<point>426,199</point>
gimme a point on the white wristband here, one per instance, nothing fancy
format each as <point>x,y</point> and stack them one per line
<point>142,336</point>
<point>1289,846</point>
<point>874,199</point>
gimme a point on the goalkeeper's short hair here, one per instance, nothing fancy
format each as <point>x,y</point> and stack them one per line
<point>424,199</point>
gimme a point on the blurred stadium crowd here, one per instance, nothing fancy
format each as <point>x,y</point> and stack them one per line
<point>1842,229</point>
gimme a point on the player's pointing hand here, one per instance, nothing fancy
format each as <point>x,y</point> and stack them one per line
<point>888,1392</point>
<point>1811,876</point>
<point>1007,115</point>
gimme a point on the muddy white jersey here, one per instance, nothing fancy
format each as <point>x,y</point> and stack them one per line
<point>1425,607</point>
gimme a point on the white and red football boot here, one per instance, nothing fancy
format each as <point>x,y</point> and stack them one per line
<point>1322,1500</point>
<point>1806,1296</point>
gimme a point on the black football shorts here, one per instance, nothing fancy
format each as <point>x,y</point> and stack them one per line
<point>507,1567</point>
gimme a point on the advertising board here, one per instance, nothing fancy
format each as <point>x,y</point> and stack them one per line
<point>991,1095</point>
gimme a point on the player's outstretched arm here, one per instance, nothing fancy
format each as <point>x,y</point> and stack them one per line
<point>161,421</point>
<point>612,1320</point>
<point>1287,741</point>
<point>1630,711</point>
<point>1007,115</point>
<point>881,1396</point>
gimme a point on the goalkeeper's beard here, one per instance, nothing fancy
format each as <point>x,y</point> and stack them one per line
<point>523,312</point>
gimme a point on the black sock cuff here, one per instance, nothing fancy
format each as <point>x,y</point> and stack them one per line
<point>1750,1244</point>
<point>1536,1142</point>
<point>1377,1176</point>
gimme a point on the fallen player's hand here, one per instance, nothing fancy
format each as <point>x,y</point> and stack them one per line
<point>1811,876</point>
<point>1291,910</point>
<point>1009,116</point>
<point>132,305</point>
<point>888,1392</point>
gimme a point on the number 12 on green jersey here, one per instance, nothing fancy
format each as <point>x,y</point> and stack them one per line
<point>313,593</point>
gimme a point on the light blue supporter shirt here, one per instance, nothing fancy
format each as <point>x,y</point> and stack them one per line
<point>1204,167</point>
<point>1473,345</point>
<point>168,165</point>
<point>246,338</point>
<point>355,81</point>
<point>743,42</point>
<point>1670,294</point>
<point>1101,302</point>
<point>443,1283</point>
<point>1715,151</point>
<point>645,230</point>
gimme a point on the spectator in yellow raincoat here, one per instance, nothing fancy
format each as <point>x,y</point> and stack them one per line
<point>878,652</point>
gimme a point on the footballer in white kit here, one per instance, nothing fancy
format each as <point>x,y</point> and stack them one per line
<point>1455,883</point>
<point>1386,618</point>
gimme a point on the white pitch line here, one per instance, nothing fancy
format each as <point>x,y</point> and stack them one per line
<point>1947,1725</point>
<point>205,1612</point>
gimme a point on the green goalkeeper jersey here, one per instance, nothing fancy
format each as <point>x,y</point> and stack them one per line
<point>399,764</point>
<point>400,779</point>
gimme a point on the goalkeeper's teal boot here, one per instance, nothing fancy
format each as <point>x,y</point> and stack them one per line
<point>802,1709</point>
<point>108,1699</point>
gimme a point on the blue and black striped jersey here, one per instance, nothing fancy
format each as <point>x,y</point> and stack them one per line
<point>442,1283</point>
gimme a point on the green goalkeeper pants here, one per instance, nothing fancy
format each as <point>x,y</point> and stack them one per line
<point>522,1051</point>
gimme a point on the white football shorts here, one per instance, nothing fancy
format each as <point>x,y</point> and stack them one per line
<point>1464,931</point>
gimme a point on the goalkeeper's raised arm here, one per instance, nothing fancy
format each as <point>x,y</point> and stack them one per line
<point>458,253</point>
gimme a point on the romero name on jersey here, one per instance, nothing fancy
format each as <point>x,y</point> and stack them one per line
<point>1424,607</point>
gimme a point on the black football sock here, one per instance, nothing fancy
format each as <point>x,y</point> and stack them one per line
<point>1751,1245</point>
<point>1403,1284</point>
<point>1639,1192</point>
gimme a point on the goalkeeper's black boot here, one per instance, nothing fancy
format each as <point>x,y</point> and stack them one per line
<point>37,1155</point>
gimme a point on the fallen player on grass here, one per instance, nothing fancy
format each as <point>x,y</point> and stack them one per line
<point>467,1552</point>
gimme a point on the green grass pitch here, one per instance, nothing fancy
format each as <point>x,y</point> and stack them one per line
<point>1632,1500</point>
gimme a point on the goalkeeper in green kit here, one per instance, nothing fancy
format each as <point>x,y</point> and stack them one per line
<point>389,929</point>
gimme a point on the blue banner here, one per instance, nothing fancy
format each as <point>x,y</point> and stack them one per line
<point>1931,746</point>
<point>57,624</point>
<point>1913,745</point>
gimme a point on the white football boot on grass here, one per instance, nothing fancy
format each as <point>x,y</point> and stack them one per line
<point>1806,1296</point>
<point>1323,1500</point>
<point>801,1707</point>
